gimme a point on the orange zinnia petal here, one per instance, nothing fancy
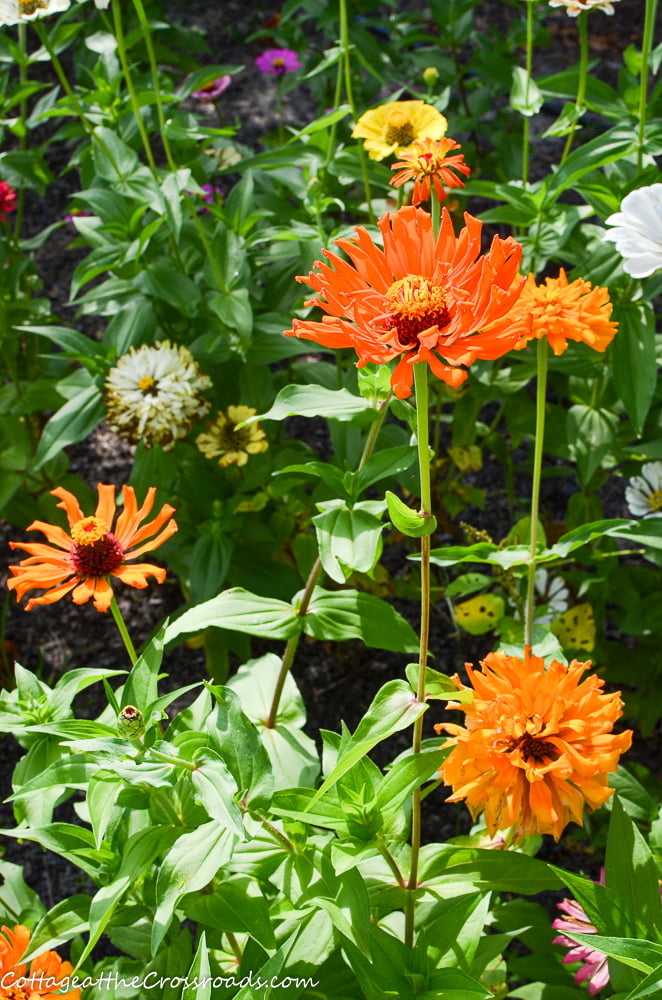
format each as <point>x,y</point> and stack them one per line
<point>69,505</point>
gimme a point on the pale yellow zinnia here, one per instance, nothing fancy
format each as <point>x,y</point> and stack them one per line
<point>393,127</point>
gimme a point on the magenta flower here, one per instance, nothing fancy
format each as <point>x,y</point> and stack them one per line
<point>210,91</point>
<point>595,970</point>
<point>7,200</point>
<point>277,62</point>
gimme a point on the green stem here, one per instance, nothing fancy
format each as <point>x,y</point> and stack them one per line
<point>582,24</point>
<point>529,66</point>
<point>392,863</point>
<point>313,576</point>
<point>422,431</point>
<point>23,113</point>
<point>331,148</point>
<point>149,44</point>
<point>234,945</point>
<point>347,63</point>
<point>185,765</point>
<point>541,396</point>
<point>126,638</point>
<point>646,45</point>
<point>126,69</point>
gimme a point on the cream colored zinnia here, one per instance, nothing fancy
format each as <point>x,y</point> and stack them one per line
<point>154,394</point>
<point>393,127</point>
<point>15,11</point>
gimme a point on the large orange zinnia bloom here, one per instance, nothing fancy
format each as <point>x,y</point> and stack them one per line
<point>421,298</point>
<point>537,746</point>
<point>47,972</point>
<point>561,311</point>
<point>92,552</point>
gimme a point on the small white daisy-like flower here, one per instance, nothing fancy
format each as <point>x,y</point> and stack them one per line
<point>154,394</point>
<point>551,591</point>
<point>576,7</point>
<point>643,493</point>
<point>15,11</point>
<point>638,231</point>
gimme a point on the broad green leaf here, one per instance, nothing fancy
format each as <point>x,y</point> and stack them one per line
<point>348,614</point>
<point>236,905</point>
<point>215,788</point>
<point>71,423</point>
<point>240,611</point>
<point>141,688</point>
<point>525,96</point>
<point>650,987</point>
<point>437,685</point>
<point>190,864</point>
<point>575,628</point>
<point>313,400</point>
<point>349,539</point>
<point>410,522</point>
<point>605,148</point>
<point>199,978</point>
<point>235,738</point>
<point>255,684</point>
<point>392,709</point>
<point>630,869</point>
<point>389,462</point>
<point>63,922</point>
<point>499,871</point>
<point>591,434</point>
<point>113,159</point>
<point>17,900</point>
<point>633,358</point>
<point>644,956</point>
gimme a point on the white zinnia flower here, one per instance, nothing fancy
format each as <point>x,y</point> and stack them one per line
<point>638,232</point>
<point>553,593</point>
<point>14,11</point>
<point>644,493</point>
<point>576,7</point>
<point>154,394</point>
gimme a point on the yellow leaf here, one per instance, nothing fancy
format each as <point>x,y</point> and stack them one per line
<point>480,614</point>
<point>575,628</point>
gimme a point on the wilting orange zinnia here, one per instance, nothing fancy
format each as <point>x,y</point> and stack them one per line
<point>537,746</point>
<point>427,163</point>
<point>561,311</point>
<point>83,560</point>
<point>419,299</point>
<point>47,971</point>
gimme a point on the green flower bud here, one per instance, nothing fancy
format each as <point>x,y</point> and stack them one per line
<point>430,75</point>
<point>130,723</point>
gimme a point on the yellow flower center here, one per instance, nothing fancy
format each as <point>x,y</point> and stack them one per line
<point>16,992</point>
<point>95,551</point>
<point>89,531</point>
<point>147,385</point>
<point>278,62</point>
<point>30,6</point>
<point>398,128</point>
<point>655,500</point>
<point>414,304</point>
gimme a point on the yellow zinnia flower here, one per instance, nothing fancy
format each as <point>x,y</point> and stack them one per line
<point>233,446</point>
<point>391,128</point>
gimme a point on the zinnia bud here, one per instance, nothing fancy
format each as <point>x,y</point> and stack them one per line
<point>130,723</point>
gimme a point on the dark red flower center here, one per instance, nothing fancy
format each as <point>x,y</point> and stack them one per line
<point>413,305</point>
<point>532,747</point>
<point>95,551</point>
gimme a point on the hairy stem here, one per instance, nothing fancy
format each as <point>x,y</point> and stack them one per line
<point>541,394</point>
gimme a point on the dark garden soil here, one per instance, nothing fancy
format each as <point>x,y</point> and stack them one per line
<point>338,681</point>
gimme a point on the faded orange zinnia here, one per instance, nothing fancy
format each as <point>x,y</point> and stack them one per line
<point>83,560</point>
<point>421,298</point>
<point>561,311</point>
<point>48,972</point>
<point>427,163</point>
<point>538,744</point>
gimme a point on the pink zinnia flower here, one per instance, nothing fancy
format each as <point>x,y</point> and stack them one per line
<point>7,200</point>
<point>595,970</point>
<point>210,91</point>
<point>277,62</point>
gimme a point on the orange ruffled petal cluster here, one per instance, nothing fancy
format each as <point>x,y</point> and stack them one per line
<point>427,163</point>
<point>420,298</point>
<point>537,746</point>
<point>561,312</point>
<point>83,560</point>
<point>47,971</point>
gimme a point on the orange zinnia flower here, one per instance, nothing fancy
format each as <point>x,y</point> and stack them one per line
<point>425,162</point>
<point>421,298</point>
<point>91,553</point>
<point>47,972</point>
<point>561,312</point>
<point>537,746</point>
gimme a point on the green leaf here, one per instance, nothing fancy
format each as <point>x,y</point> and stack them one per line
<point>141,688</point>
<point>650,987</point>
<point>348,614</point>
<point>644,956</point>
<point>591,434</point>
<point>498,871</point>
<point>71,423</point>
<point>190,864</point>
<point>214,787</point>
<point>393,708</point>
<point>63,922</point>
<point>163,281</point>
<point>631,870</point>
<point>386,463</point>
<point>437,685</point>
<point>349,539</point>
<point>236,740</point>
<point>412,523</point>
<point>113,159</point>
<point>237,906</point>
<point>239,611</point>
<point>313,400</point>
<point>605,148</point>
<point>199,978</point>
<point>525,95</point>
<point>633,358</point>
<point>480,614</point>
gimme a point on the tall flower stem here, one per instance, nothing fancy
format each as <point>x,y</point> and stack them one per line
<point>126,69</point>
<point>582,26</point>
<point>529,67</point>
<point>422,430</point>
<point>313,576</point>
<point>347,63</point>
<point>541,397</point>
<point>646,45</point>
<point>121,625</point>
<point>23,77</point>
